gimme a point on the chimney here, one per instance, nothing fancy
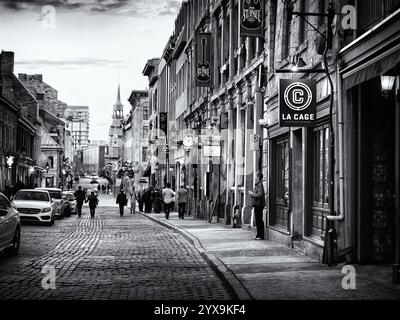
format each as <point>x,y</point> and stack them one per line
<point>7,62</point>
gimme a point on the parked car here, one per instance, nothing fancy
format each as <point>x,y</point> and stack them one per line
<point>10,227</point>
<point>59,201</point>
<point>93,181</point>
<point>71,201</point>
<point>34,206</point>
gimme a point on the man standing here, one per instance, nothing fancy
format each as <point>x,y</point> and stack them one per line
<point>121,201</point>
<point>140,195</point>
<point>258,197</point>
<point>168,197</point>
<point>181,198</point>
<point>80,197</point>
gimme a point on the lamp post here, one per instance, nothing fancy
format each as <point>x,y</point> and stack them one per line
<point>10,162</point>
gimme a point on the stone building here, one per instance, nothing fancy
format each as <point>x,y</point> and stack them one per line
<point>19,124</point>
<point>136,134</point>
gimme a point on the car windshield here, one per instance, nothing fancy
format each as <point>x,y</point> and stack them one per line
<point>32,196</point>
<point>55,194</point>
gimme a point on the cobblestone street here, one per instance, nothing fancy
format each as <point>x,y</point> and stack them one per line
<point>108,257</point>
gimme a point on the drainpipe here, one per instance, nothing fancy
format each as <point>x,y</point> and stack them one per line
<point>340,217</point>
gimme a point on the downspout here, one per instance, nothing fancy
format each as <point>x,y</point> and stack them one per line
<point>340,217</point>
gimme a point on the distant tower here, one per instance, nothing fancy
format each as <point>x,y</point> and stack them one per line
<point>115,132</point>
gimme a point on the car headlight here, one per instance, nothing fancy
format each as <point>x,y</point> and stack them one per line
<point>47,209</point>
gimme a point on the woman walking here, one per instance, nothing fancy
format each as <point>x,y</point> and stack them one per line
<point>93,202</point>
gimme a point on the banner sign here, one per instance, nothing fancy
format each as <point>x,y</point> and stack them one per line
<point>203,60</point>
<point>212,151</point>
<point>297,103</point>
<point>251,18</point>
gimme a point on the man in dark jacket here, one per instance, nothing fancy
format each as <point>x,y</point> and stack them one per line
<point>140,196</point>
<point>258,197</point>
<point>93,202</point>
<point>80,197</point>
<point>121,200</point>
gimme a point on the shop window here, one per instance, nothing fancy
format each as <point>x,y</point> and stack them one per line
<point>320,179</point>
<point>281,183</point>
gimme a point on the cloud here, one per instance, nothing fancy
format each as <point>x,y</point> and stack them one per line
<point>69,63</point>
<point>137,8</point>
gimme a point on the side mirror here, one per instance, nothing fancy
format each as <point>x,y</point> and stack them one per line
<point>3,212</point>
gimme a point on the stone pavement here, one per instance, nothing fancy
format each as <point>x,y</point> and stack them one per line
<point>108,257</point>
<point>263,269</point>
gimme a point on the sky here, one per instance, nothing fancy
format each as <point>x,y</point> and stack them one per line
<point>84,48</point>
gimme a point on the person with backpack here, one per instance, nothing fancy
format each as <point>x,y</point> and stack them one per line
<point>93,202</point>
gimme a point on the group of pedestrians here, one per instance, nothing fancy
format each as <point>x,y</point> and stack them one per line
<point>104,189</point>
<point>80,197</point>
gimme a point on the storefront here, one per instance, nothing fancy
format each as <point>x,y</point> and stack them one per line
<point>371,141</point>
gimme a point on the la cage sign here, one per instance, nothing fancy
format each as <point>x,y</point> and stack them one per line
<point>297,106</point>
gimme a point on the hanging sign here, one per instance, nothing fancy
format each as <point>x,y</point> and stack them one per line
<point>297,105</point>
<point>203,60</point>
<point>251,18</point>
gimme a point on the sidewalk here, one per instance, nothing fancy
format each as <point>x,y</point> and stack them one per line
<point>263,269</point>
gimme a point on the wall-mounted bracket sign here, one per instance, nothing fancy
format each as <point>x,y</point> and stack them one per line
<point>297,103</point>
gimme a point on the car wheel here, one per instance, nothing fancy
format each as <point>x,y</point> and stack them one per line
<point>13,251</point>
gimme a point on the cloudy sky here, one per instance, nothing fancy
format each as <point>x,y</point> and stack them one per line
<point>84,47</point>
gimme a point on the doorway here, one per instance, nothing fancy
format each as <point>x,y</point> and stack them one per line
<point>376,174</point>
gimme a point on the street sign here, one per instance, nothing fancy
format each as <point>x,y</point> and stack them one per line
<point>297,106</point>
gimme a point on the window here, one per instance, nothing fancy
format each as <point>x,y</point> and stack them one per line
<point>51,162</point>
<point>320,181</point>
<point>145,133</point>
<point>144,154</point>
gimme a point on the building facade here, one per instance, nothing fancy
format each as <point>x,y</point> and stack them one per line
<point>77,118</point>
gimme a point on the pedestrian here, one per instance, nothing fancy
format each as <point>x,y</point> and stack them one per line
<point>168,196</point>
<point>80,197</point>
<point>93,202</point>
<point>7,192</point>
<point>121,201</point>
<point>181,198</point>
<point>258,199</point>
<point>147,200</point>
<point>103,188</point>
<point>133,198</point>
<point>139,197</point>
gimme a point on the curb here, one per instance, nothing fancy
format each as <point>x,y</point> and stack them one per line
<point>227,276</point>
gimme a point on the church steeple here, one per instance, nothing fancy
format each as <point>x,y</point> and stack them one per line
<point>118,109</point>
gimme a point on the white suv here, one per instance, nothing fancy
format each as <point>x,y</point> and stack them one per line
<point>34,206</point>
<point>10,229</point>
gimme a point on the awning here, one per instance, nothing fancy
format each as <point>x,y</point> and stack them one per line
<point>372,68</point>
<point>147,171</point>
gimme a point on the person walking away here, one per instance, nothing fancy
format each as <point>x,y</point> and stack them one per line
<point>121,201</point>
<point>140,198</point>
<point>147,200</point>
<point>80,197</point>
<point>258,198</point>
<point>181,198</point>
<point>168,197</point>
<point>103,188</point>
<point>93,202</point>
<point>133,200</point>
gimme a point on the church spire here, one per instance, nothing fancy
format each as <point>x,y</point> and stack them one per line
<point>118,97</point>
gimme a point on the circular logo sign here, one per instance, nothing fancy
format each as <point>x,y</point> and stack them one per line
<point>298,96</point>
